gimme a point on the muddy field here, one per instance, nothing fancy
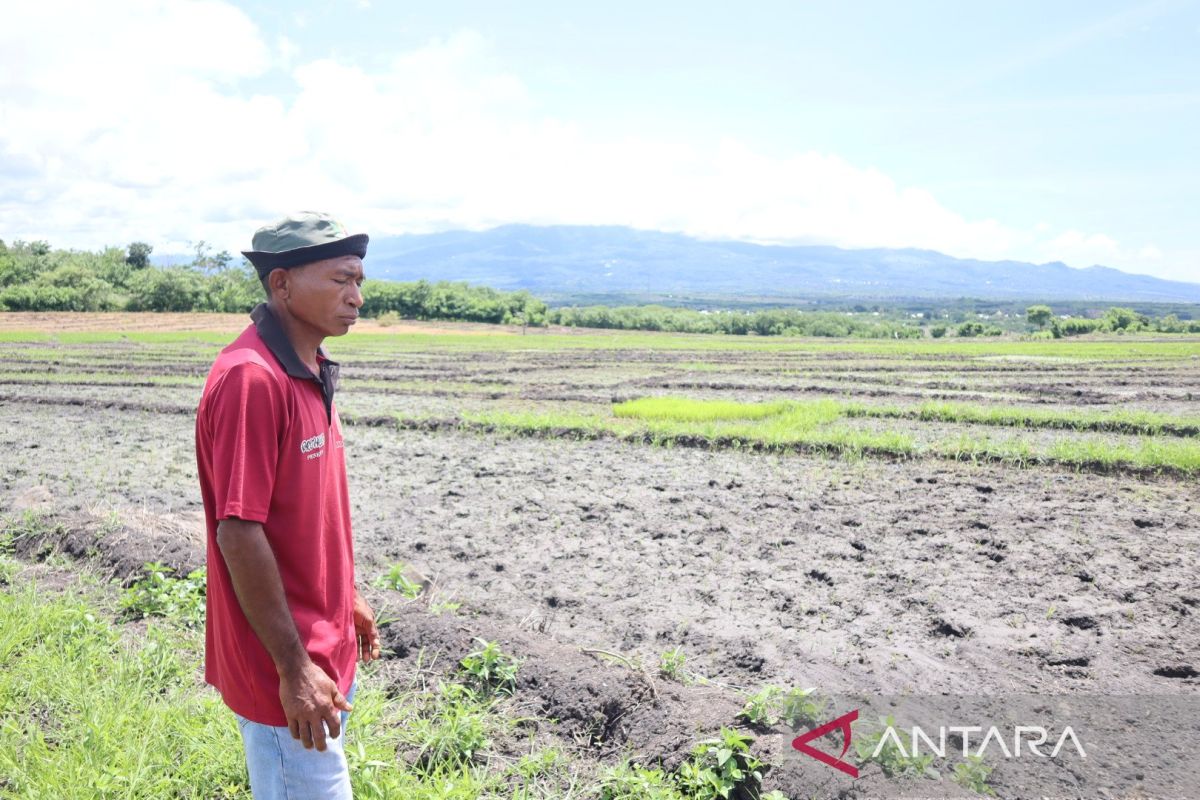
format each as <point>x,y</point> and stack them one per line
<point>858,576</point>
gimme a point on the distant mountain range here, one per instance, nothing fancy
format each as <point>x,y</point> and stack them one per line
<point>604,260</point>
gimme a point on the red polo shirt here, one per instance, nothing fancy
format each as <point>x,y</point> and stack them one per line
<point>269,449</point>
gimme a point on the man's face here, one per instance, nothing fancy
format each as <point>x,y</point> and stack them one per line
<point>326,294</point>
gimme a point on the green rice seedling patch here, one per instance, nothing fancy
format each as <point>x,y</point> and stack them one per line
<point>682,409</point>
<point>1131,421</point>
<point>1147,453</point>
<point>97,379</point>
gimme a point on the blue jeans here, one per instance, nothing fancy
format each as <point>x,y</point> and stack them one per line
<point>281,769</point>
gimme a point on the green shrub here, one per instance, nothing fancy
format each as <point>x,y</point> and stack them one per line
<point>490,670</point>
<point>158,594</point>
<point>635,782</point>
<point>720,768</point>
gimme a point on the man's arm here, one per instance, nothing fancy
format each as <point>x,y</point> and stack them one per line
<point>309,696</point>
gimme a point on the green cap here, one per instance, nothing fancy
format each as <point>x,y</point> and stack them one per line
<point>302,238</point>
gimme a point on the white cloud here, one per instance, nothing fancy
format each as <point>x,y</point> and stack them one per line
<point>133,123</point>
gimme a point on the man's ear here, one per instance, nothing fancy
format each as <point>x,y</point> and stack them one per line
<point>279,283</point>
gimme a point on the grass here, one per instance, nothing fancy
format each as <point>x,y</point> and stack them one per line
<point>90,708</point>
<point>806,414</point>
<point>88,713</point>
<point>798,428</point>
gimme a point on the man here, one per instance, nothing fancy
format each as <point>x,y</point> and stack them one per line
<point>285,624</point>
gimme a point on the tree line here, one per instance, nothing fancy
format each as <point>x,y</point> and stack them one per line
<point>1115,319</point>
<point>36,277</point>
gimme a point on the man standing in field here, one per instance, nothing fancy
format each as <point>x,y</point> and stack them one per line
<point>285,623</point>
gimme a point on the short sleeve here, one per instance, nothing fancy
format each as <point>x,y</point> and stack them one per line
<point>246,418</point>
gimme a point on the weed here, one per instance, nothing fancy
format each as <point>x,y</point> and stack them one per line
<point>670,664</point>
<point>452,731</point>
<point>635,782</point>
<point>721,768</point>
<point>31,523</point>
<point>440,607</point>
<point>490,670</point>
<point>110,525</point>
<point>799,707</point>
<point>158,594</point>
<point>973,774</point>
<point>8,570</point>
<point>397,581</point>
<point>760,708</point>
<point>541,762</point>
<point>886,751</point>
<point>771,704</point>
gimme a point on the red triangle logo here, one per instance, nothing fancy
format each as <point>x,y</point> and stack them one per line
<point>843,723</point>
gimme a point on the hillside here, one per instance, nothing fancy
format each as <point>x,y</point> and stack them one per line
<point>615,260</point>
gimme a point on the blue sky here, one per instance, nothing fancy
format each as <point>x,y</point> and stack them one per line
<point>1037,131</point>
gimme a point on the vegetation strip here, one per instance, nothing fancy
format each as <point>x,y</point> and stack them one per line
<point>796,431</point>
<point>94,707</point>
<point>1128,422</point>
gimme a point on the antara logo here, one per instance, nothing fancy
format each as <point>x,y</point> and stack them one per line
<point>842,723</point>
<point>1025,738</point>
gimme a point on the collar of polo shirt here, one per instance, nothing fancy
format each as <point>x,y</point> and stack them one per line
<point>280,346</point>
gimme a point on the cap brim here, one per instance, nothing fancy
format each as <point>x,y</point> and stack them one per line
<point>265,261</point>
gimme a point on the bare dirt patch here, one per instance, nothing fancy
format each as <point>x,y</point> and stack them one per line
<point>852,576</point>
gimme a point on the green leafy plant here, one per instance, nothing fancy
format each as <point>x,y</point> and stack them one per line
<point>160,594</point>
<point>721,768</point>
<point>635,782</point>
<point>397,581</point>
<point>890,756</point>
<point>973,774</point>
<point>670,664</point>
<point>800,707</point>
<point>761,707</point>
<point>490,670</point>
<point>795,706</point>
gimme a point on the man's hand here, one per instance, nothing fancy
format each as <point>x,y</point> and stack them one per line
<point>310,698</point>
<point>364,629</point>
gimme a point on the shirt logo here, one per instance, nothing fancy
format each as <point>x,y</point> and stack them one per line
<point>313,443</point>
